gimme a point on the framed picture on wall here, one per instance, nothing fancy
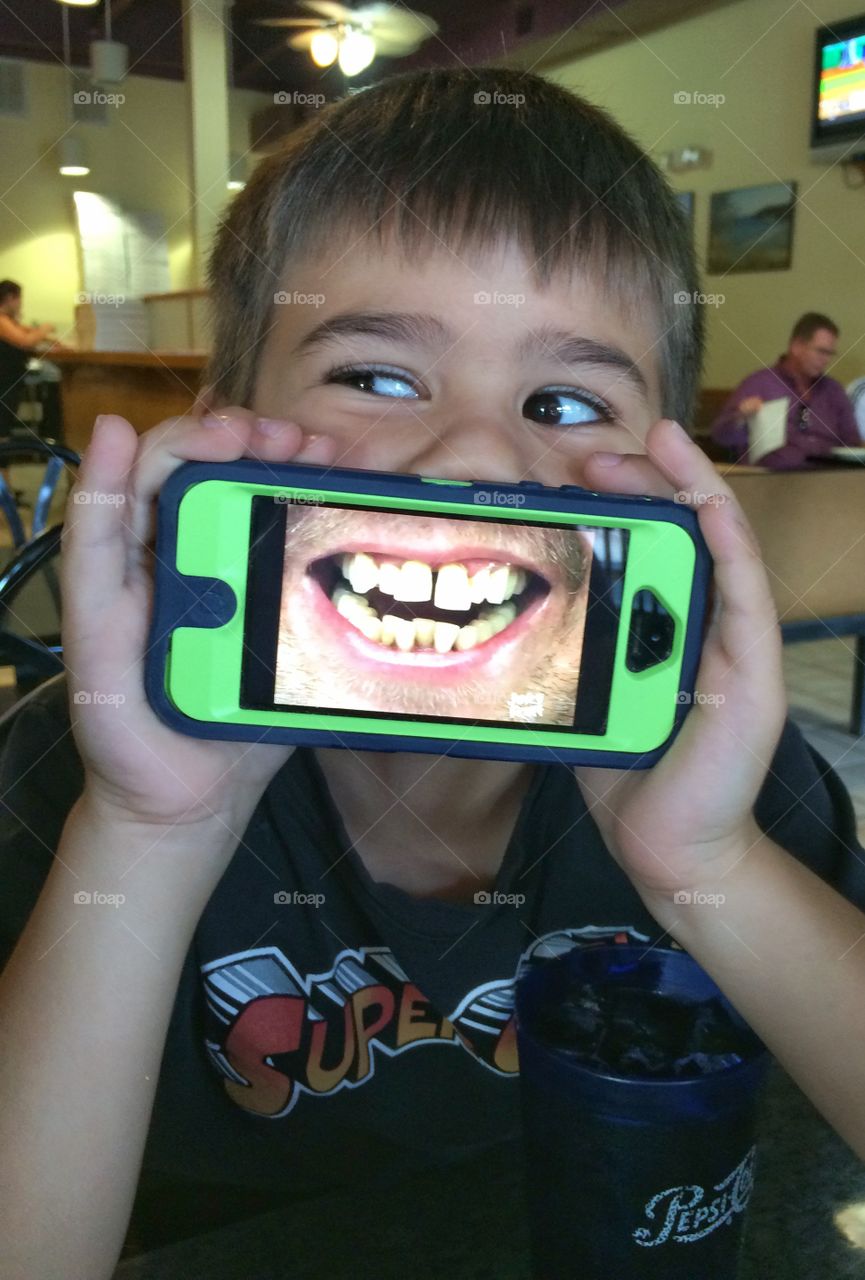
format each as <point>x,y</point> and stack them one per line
<point>751,228</point>
<point>686,201</point>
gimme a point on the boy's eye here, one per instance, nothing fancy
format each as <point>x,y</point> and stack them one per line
<point>564,407</point>
<point>376,380</point>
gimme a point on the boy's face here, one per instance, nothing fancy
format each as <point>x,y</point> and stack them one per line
<point>461,369</point>
<point>485,389</point>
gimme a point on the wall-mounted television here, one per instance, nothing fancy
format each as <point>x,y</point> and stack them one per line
<point>838,114</point>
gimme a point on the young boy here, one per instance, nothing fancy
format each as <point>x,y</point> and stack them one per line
<point>430,278</point>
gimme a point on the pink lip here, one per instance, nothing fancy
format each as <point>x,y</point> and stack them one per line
<point>488,660</point>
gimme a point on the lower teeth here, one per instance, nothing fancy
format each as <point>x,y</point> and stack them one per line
<point>408,634</point>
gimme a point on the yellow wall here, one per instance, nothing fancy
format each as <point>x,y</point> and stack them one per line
<point>140,159</point>
<point>758,54</point>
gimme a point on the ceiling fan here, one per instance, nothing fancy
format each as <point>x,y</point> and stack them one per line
<point>353,37</point>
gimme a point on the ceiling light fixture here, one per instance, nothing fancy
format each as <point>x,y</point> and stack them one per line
<point>237,173</point>
<point>109,59</point>
<point>73,163</point>
<point>323,48</point>
<point>356,52</point>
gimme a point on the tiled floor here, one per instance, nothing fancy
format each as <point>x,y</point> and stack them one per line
<point>819,678</point>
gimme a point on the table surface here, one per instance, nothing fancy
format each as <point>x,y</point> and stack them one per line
<point>468,1223</point>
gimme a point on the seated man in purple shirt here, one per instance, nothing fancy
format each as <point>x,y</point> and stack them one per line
<point>819,417</point>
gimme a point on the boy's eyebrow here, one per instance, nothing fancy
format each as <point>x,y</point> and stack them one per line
<point>411,327</point>
<point>570,348</point>
<point>420,329</point>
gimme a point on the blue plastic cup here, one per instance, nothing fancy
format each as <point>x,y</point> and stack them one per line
<point>633,1178</point>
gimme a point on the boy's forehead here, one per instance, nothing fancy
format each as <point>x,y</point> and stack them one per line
<point>490,295</point>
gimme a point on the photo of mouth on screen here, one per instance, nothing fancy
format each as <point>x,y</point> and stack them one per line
<point>370,611</point>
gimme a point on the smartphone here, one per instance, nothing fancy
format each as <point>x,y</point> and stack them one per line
<point>360,609</point>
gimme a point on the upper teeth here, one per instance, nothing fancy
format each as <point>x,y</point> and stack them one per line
<point>451,587</point>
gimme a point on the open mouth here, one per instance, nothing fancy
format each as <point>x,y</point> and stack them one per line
<point>418,606</point>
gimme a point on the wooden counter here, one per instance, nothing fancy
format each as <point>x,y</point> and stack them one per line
<point>143,386</point>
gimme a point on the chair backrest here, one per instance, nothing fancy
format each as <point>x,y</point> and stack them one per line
<point>9,717</point>
<point>56,457</point>
<point>34,657</point>
<point>811,529</point>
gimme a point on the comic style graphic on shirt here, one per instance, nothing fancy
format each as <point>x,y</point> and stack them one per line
<point>275,1034</point>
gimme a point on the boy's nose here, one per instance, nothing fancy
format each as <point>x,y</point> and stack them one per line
<point>476,448</point>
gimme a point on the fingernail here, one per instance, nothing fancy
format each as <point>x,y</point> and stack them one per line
<point>608,459</point>
<point>214,420</point>
<point>271,426</point>
<point>678,429</point>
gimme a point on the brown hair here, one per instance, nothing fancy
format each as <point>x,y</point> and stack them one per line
<point>806,326</point>
<point>468,158</point>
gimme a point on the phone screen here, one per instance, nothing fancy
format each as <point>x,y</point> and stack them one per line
<point>383,612</point>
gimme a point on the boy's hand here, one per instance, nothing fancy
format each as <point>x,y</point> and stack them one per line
<point>136,768</point>
<point>683,823</point>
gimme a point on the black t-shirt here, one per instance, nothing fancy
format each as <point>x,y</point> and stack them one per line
<point>326,1023</point>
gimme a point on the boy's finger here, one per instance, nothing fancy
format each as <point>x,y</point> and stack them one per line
<point>672,467</point>
<point>693,475</point>
<point>746,617</point>
<point>94,538</point>
<point>224,436</point>
<point>631,473</point>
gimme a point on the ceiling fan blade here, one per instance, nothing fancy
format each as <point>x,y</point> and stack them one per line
<point>391,48</point>
<point>303,39</point>
<point>400,24</point>
<point>286,22</point>
<point>328,9</point>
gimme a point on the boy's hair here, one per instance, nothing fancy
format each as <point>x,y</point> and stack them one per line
<point>471,159</point>
<point>806,326</point>
<point>9,289</point>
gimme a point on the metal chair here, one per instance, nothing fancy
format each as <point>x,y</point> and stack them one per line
<point>56,457</point>
<point>34,657</point>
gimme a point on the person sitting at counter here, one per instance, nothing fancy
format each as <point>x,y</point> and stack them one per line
<point>819,414</point>
<point>18,343</point>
